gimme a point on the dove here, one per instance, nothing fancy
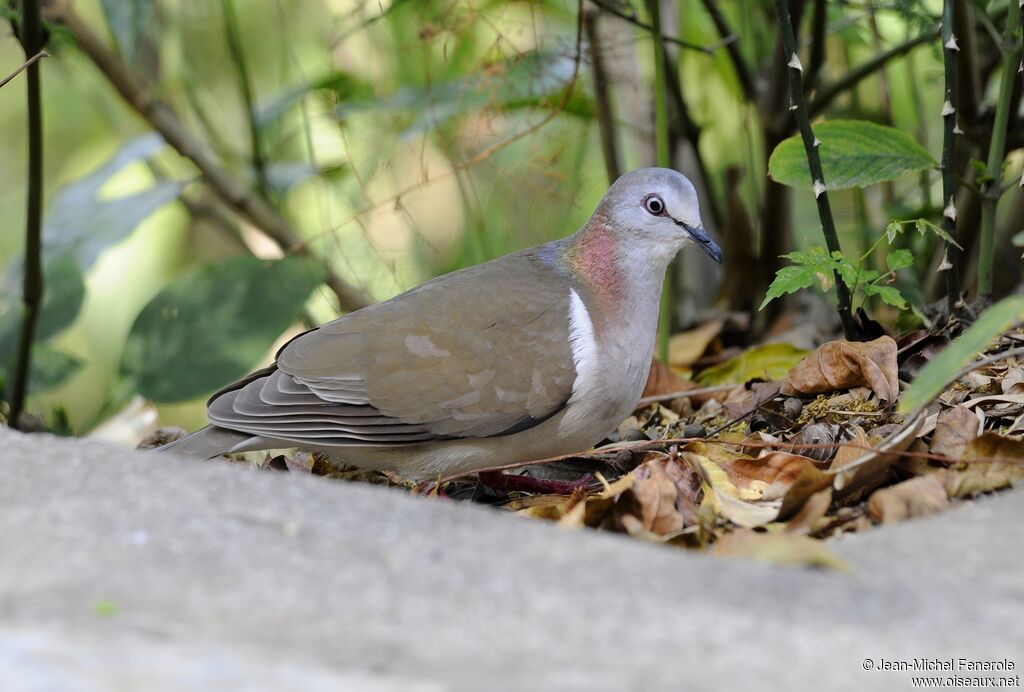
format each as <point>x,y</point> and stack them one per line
<point>539,353</point>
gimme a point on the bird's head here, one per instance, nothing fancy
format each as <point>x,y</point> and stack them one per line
<point>657,206</point>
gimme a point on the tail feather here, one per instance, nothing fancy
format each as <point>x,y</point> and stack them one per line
<point>209,442</point>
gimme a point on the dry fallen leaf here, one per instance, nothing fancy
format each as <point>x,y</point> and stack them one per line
<point>954,429</point>
<point>686,348</point>
<point>843,365</point>
<point>779,548</point>
<point>916,497</point>
<point>661,380</point>
<point>811,513</point>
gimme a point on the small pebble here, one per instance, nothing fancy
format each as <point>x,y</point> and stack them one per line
<point>793,407</point>
<point>633,435</point>
<point>694,430</point>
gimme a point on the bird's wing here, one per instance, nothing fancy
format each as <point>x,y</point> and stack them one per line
<point>481,352</point>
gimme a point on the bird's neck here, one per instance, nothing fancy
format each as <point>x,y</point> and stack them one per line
<point>621,279</point>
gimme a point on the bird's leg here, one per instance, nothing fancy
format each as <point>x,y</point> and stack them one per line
<point>528,484</point>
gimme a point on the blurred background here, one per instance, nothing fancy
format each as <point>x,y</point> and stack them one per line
<point>220,173</point>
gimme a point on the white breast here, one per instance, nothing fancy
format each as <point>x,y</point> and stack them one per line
<point>584,357</point>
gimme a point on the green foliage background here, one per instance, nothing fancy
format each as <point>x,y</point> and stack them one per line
<point>362,111</point>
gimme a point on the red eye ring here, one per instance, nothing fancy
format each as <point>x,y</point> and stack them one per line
<point>654,205</point>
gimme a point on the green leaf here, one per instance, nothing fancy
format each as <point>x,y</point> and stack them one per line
<point>768,361</point>
<point>62,299</point>
<point>854,153</point>
<point>899,259</point>
<point>807,269</point>
<point>213,324</point>
<point>128,20</point>
<point>341,87</point>
<point>83,223</point>
<point>50,368</point>
<point>934,376</point>
<point>790,280</point>
<point>888,294</point>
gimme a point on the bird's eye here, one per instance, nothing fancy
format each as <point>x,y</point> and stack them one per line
<point>654,205</point>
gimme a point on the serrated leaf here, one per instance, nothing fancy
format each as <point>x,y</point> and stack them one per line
<point>790,280</point>
<point>212,324</point>
<point>924,226</point>
<point>899,259</point>
<point>889,294</point>
<point>854,153</point>
<point>937,373</point>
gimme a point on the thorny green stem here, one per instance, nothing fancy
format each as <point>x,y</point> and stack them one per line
<point>259,159</point>
<point>949,50</point>
<point>31,36</point>
<point>1011,49</point>
<point>828,225</point>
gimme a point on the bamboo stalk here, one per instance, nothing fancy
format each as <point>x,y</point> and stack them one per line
<point>952,259</point>
<point>31,36</point>
<point>992,189</point>
<point>799,109</point>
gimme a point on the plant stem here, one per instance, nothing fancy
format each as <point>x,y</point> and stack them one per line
<point>31,36</point>
<point>259,161</point>
<point>614,10</point>
<point>828,225</point>
<point>991,191</point>
<point>38,56</point>
<point>949,50</point>
<point>602,98</point>
<point>662,158</point>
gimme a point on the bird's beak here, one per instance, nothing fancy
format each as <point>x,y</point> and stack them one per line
<point>704,240</point>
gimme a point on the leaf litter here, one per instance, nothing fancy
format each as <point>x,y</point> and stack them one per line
<point>737,465</point>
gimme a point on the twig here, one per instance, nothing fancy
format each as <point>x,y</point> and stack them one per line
<point>817,58</point>
<point>698,391</point>
<point>852,78</point>
<point>41,54</point>
<point>31,36</point>
<point>164,121</point>
<point>828,225</point>
<point>663,159</point>
<point>635,21</point>
<point>234,41</point>
<point>952,258</point>
<point>1011,49</point>
<point>739,64</point>
<point>602,99</point>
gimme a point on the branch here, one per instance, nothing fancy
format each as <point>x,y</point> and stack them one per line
<point>817,58</point>
<point>828,224</point>
<point>852,78</point>
<point>635,21</point>
<point>602,98</point>
<point>743,73</point>
<point>234,41</point>
<point>990,194</point>
<point>162,119</point>
<point>31,36</point>
<point>951,261</point>
<point>31,61</point>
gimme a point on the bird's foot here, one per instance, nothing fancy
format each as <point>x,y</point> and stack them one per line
<point>497,480</point>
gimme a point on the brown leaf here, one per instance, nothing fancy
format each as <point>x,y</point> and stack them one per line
<point>916,497</point>
<point>649,506</point>
<point>778,548</point>
<point>742,402</point>
<point>869,469</point>
<point>661,380</point>
<point>817,434</point>
<point>954,429</point>
<point>686,348</point>
<point>995,447</point>
<point>843,365</point>
<point>811,513</point>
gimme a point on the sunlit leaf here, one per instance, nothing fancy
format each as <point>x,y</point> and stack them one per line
<point>768,362</point>
<point>941,369</point>
<point>854,153</point>
<point>212,324</point>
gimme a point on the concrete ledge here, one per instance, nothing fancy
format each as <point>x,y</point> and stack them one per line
<point>118,566</point>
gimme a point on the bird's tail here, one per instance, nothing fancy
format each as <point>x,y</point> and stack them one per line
<point>208,442</point>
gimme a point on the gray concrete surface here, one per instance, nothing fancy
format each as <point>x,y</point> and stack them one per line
<point>128,571</point>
